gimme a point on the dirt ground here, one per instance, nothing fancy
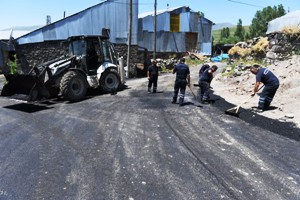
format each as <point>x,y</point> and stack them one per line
<point>285,105</point>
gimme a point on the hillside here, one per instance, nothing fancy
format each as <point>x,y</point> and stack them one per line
<point>217,33</point>
<point>219,26</point>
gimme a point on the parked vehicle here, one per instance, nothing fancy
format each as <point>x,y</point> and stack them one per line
<point>90,63</point>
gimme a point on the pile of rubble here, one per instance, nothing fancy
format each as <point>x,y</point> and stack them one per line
<point>276,46</point>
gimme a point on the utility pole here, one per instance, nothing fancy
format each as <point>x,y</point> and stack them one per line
<point>154,49</point>
<point>129,38</point>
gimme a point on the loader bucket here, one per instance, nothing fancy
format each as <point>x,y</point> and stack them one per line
<point>22,84</point>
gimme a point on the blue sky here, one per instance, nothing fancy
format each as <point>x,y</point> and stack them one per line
<point>34,12</point>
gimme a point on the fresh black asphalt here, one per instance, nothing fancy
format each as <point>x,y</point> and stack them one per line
<point>133,145</point>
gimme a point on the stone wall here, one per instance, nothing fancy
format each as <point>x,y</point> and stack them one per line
<point>30,55</point>
<point>282,46</point>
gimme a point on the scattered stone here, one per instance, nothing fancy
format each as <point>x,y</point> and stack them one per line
<point>228,69</point>
<point>290,116</point>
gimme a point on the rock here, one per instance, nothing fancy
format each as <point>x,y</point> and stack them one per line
<point>238,73</point>
<point>290,116</point>
<point>228,69</point>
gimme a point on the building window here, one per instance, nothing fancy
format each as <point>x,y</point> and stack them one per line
<point>174,23</point>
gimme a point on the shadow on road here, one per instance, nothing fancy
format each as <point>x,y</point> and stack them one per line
<point>27,107</point>
<point>286,129</point>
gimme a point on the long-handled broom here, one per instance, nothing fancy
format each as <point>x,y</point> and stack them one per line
<point>235,110</point>
<point>192,92</point>
<point>194,96</point>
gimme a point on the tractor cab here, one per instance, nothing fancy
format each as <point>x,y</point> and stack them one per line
<point>94,50</point>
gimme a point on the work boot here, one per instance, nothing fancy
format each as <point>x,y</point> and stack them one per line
<point>257,109</point>
<point>266,105</point>
<point>205,100</point>
<point>174,100</point>
<point>149,90</point>
<point>180,101</point>
<point>201,98</point>
<point>154,89</point>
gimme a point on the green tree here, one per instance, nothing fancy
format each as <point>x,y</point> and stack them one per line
<point>260,21</point>
<point>229,40</point>
<point>247,36</point>
<point>225,34</point>
<point>240,31</point>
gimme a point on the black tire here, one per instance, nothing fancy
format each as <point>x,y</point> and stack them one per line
<point>73,86</point>
<point>110,81</point>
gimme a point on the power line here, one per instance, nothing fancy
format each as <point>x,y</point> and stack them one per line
<point>246,3</point>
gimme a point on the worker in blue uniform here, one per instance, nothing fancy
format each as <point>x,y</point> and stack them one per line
<point>271,84</point>
<point>203,68</point>
<point>152,74</point>
<point>204,83</point>
<point>182,80</point>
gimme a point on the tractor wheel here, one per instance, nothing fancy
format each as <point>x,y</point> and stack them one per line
<point>110,81</point>
<point>73,86</point>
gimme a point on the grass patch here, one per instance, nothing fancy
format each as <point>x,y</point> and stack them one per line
<point>242,61</point>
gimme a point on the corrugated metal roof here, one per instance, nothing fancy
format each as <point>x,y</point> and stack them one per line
<point>158,12</point>
<point>162,11</point>
<point>109,14</point>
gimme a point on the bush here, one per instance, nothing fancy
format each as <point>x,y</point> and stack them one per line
<point>259,49</point>
<point>13,65</point>
<point>293,33</point>
<point>238,52</point>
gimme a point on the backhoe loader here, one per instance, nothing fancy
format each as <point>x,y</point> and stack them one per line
<point>90,63</point>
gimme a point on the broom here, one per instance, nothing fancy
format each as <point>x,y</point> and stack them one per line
<point>235,110</point>
<point>194,96</point>
<point>193,92</point>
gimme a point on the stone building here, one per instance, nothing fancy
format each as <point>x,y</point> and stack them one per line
<point>45,43</point>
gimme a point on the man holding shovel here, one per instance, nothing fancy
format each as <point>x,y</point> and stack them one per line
<point>271,83</point>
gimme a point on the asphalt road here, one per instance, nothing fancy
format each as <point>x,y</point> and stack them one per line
<point>138,146</point>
